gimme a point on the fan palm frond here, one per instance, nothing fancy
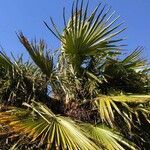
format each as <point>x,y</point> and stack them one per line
<point>54,131</point>
<point>41,57</point>
<point>108,106</point>
<point>133,61</point>
<point>107,137</point>
<point>5,62</point>
<point>88,35</point>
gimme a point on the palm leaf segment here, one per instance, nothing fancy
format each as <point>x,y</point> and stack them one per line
<point>57,131</point>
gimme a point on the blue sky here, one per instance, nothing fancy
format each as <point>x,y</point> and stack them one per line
<point>28,16</point>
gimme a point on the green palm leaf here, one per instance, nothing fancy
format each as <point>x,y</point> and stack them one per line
<point>133,61</point>
<point>85,36</point>
<point>5,62</point>
<point>108,107</point>
<point>107,137</point>
<point>41,57</point>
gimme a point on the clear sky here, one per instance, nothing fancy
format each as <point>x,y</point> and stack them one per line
<point>28,16</point>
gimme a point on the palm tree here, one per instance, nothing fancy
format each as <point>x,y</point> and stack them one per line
<point>90,99</point>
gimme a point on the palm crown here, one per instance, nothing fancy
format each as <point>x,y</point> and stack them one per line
<point>87,100</point>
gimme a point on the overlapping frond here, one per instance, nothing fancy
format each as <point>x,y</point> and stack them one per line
<point>55,131</point>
